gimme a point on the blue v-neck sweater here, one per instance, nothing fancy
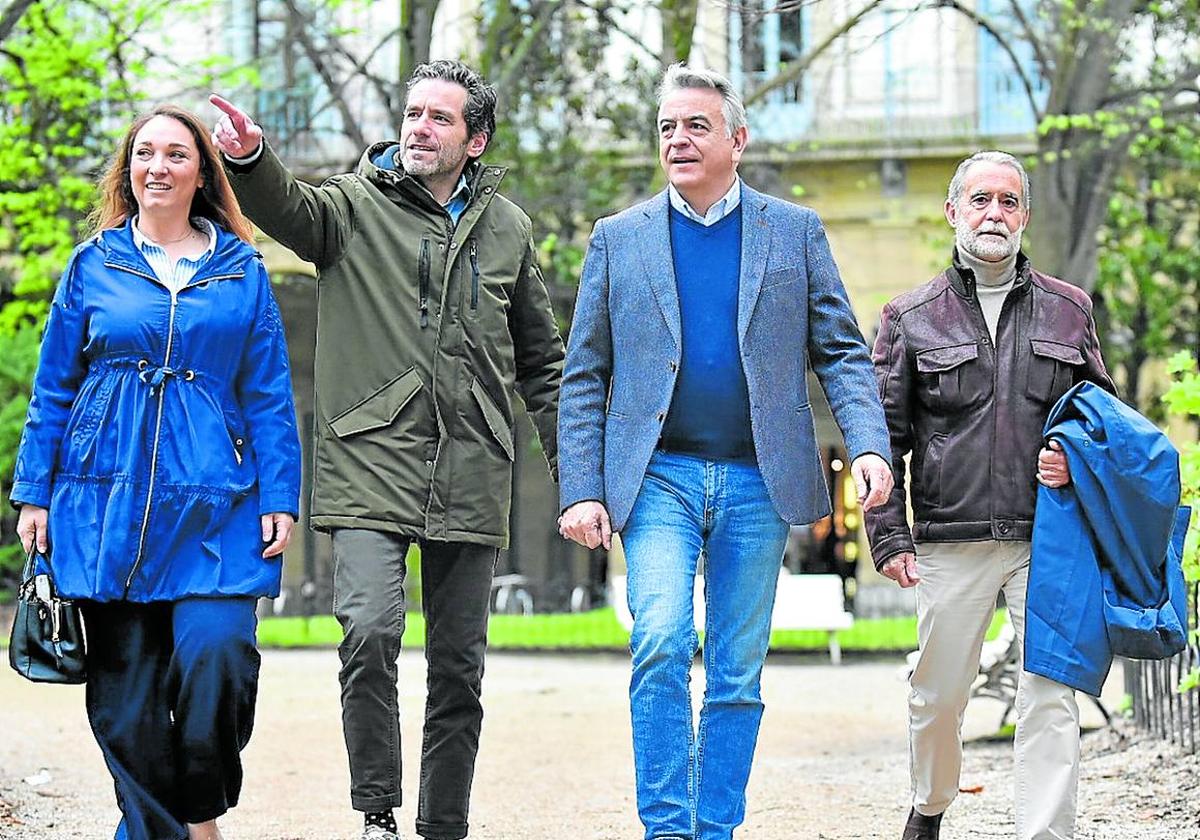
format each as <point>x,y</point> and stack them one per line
<point>710,410</point>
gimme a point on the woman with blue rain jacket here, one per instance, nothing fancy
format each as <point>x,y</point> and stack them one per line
<point>160,466</point>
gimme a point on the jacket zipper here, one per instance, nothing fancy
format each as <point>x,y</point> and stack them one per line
<point>423,282</point>
<point>994,346</point>
<point>433,390</point>
<point>154,447</point>
<point>137,562</point>
<point>474,276</point>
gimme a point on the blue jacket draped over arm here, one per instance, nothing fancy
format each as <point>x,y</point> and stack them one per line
<point>1106,576</point>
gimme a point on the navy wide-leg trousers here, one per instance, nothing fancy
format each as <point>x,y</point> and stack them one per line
<point>170,697</point>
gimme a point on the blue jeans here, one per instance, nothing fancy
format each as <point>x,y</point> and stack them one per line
<point>692,784</point>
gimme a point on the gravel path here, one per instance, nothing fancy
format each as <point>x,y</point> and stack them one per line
<point>556,761</point>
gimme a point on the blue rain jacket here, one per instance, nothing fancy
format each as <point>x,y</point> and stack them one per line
<point>161,426</point>
<point>1106,577</point>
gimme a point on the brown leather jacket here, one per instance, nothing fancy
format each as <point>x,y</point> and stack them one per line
<point>972,414</point>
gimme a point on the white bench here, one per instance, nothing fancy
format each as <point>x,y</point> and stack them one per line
<point>802,602</point>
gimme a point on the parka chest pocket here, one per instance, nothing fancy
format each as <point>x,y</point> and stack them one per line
<point>472,290</point>
<point>487,284</point>
<point>1052,368</point>
<point>380,409</point>
<point>952,377</point>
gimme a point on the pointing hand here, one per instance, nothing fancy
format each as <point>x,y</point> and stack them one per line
<point>235,134</point>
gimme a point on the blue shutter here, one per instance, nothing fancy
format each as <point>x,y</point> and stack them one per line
<point>1004,106</point>
<point>785,114</point>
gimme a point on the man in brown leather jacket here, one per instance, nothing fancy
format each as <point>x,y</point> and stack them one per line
<point>969,366</point>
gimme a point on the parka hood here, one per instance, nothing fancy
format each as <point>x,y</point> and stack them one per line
<point>384,156</point>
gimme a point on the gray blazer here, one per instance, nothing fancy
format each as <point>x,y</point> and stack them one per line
<point>625,346</point>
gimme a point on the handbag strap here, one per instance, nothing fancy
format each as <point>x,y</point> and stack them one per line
<point>27,572</point>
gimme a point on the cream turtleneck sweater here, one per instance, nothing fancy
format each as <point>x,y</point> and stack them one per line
<point>993,282</point>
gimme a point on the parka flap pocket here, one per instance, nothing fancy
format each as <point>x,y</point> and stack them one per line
<point>495,420</point>
<point>941,359</point>
<point>379,409</point>
<point>1068,354</point>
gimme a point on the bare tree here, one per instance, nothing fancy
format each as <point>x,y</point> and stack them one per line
<point>1107,69</point>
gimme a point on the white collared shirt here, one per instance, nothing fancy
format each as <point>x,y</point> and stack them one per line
<point>721,208</point>
<point>178,274</point>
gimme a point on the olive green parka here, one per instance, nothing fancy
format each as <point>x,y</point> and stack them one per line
<point>425,330</point>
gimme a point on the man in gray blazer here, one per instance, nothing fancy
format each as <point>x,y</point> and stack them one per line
<point>685,425</point>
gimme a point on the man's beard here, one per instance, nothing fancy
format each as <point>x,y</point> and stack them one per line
<point>988,248</point>
<point>446,160</point>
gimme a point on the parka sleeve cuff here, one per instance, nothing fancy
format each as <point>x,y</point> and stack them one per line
<point>30,493</point>
<point>889,547</point>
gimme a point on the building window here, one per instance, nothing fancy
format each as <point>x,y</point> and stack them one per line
<point>765,37</point>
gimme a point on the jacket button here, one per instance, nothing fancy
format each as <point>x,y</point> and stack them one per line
<point>1003,527</point>
<point>453,245</point>
<point>487,189</point>
<point>429,463</point>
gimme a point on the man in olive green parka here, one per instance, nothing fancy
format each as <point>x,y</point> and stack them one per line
<point>431,313</point>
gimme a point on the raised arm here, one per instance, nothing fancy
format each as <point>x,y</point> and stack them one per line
<point>315,222</point>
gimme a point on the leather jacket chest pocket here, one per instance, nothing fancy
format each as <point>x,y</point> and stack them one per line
<point>952,377</point>
<point>1052,367</point>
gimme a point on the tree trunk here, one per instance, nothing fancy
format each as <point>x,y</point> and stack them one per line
<point>1070,202</point>
<point>678,29</point>
<point>416,31</point>
<point>1077,165</point>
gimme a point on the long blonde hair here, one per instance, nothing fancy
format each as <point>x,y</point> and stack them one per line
<point>214,200</point>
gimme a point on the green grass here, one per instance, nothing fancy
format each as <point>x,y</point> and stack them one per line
<point>594,630</point>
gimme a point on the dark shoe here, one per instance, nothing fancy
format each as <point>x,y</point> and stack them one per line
<point>921,827</point>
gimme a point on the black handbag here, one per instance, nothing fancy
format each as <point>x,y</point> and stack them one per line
<point>47,643</point>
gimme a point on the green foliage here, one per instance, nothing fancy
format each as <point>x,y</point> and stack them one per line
<point>51,90</point>
<point>595,630</point>
<point>1124,706</point>
<point>65,76</point>
<point>546,60</point>
<point>1183,398</point>
<point>1149,277</point>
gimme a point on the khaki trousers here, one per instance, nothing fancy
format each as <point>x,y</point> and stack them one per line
<point>955,602</point>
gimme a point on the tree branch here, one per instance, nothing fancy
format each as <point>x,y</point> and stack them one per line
<point>516,59</point>
<point>986,25</point>
<point>12,16</point>
<point>796,68</point>
<point>1031,38</point>
<point>317,59</point>
<point>1184,82</point>
<point>604,15</point>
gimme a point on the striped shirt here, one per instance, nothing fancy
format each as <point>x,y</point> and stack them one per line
<point>178,274</point>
